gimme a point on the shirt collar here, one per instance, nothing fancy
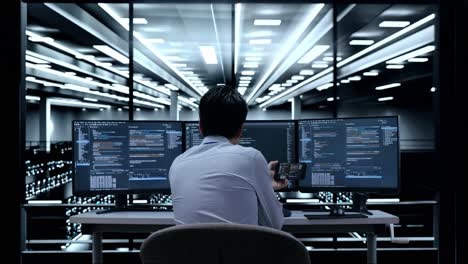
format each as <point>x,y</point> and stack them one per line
<point>215,139</point>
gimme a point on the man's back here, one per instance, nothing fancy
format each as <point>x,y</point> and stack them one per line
<point>221,182</point>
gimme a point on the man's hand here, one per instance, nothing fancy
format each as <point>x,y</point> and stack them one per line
<point>277,185</point>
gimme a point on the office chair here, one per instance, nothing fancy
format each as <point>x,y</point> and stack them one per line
<point>222,244</point>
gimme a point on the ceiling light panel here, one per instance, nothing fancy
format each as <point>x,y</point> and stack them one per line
<point>361,42</point>
<point>267,22</point>
<point>394,24</point>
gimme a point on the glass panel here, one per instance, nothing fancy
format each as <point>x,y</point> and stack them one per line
<point>385,67</point>
<point>279,55</point>
<point>183,50</point>
<point>76,69</point>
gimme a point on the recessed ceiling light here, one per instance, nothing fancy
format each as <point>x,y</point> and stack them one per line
<point>312,54</point>
<point>361,42</point>
<point>260,41</point>
<point>355,78</point>
<point>286,84</point>
<point>433,89</point>
<point>253,58</point>
<point>259,34</point>
<point>388,86</point>
<point>292,81</point>
<point>244,78</point>
<point>382,99</point>
<point>90,99</point>
<point>328,58</point>
<point>250,65</point>
<point>394,24</point>
<point>267,22</point>
<point>209,54</point>
<point>306,72</point>
<point>298,77</point>
<point>418,60</point>
<point>395,66</point>
<point>243,84</point>
<point>244,81</point>
<point>33,98</point>
<point>319,65</point>
<point>330,99</point>
<point>371,73</point>
<point>247,72</point>
<point>344,81</point>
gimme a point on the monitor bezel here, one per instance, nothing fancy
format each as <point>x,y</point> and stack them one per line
<point>115,192</point>
<point>390,191</point>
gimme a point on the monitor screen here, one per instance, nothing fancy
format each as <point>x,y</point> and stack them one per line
<point>275,139</point>
<point>124,156</point>
<point>349,154</point>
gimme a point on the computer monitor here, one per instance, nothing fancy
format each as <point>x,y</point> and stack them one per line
<point>115,157</point>
<point>350,154</point>
<point>276,140</point>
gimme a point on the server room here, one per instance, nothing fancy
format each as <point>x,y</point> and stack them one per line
<point>351,113</point>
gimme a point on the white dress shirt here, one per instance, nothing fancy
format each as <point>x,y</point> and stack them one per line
<point>221,182</point>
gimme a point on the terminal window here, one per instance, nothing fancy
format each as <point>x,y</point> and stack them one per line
<point>350,153</point>
<point>119,155</point>
<point>276,140</point>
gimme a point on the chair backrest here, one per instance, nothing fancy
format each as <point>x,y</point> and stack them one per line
<point>222,244</point>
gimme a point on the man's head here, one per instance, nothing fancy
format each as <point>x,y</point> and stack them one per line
<point>222,112</point>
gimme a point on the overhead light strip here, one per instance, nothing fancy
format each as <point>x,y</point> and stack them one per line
<point>386,40</point>
<point>354,57</point>
<point>237,42</point>
<point>388,86</point>
<point>139,37</point>
<point>410,55</point>
<point>286,49</point>
<point>218,45</point>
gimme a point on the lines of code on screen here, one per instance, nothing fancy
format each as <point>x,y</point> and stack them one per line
<point>350,153</point>
<point>276,140</point>
<point>124,155</point>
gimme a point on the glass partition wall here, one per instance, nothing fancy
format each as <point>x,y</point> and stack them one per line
<point>154,61</point>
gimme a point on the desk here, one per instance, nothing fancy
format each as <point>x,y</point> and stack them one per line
<point>146,222</point>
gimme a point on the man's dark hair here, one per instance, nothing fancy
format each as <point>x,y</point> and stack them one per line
<point>222,112</point>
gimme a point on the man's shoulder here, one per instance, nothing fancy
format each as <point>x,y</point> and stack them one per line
<point>247,152</point>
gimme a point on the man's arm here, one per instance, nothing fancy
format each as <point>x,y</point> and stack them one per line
<point>270,210</point>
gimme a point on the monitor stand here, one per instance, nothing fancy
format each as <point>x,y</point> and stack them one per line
<point>360,203</point>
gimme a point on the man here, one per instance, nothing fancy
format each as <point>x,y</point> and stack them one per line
<point>220,181</point>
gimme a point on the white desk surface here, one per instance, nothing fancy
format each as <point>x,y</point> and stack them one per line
<point>167,218</point>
